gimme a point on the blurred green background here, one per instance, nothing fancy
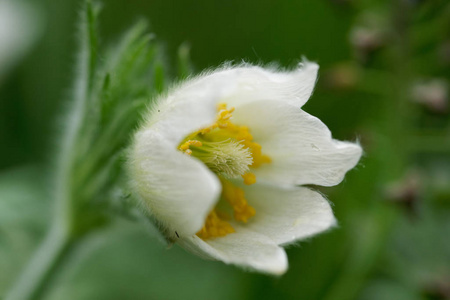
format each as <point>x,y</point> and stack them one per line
<point>384,80</point>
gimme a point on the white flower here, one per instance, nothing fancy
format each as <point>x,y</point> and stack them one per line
<point>195,160</point>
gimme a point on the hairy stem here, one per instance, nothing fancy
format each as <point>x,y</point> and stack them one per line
<point>46,259</point>
<point>63,234</point>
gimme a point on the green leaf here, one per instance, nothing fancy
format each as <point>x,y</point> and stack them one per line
<point>24,215</point>
<point>124,262</point>
<point>110,96</point>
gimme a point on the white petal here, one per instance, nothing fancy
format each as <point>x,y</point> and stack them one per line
<point>177,189</point>
<point>293,87</point>
<point>189,107</point>
<point>243,248</point>
<point>192,105</point>
<point>288,214</point>
<point>300,145</point>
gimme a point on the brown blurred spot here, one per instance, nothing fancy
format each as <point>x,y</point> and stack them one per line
<point>432,94</point>
<point>406,193</point>
<point>343,76</point>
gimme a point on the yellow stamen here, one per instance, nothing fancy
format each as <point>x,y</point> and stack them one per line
<point>222,135</point>
<point>221,106</point>
<point>189,143</point>
<point>235,196</point>
<point>214,227</point>
<point>249,178</point>
<point>208,129</point>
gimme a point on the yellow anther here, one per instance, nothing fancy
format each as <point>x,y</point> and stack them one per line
<point>236,198</point>
<point>221,106</point>
<point>266,159</point>
<point>185,146</point>
<point>214,227</point>
<point>231,128</point>
<point>189,143</point>
<point>249,178</point>
<point>241,136</point>
<point>196,143</point>
<point>188,151</point>
<point>208,129</point>
<point>224,114</point>
<point>244,214</point>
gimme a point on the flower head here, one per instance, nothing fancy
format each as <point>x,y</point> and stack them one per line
<point>221,159</point>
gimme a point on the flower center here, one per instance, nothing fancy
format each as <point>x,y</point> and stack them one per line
<point>228,158</point>
<point>230,152</point>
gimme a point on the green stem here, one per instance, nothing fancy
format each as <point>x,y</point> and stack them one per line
<point>33,281</point>
<point>39,272</point>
